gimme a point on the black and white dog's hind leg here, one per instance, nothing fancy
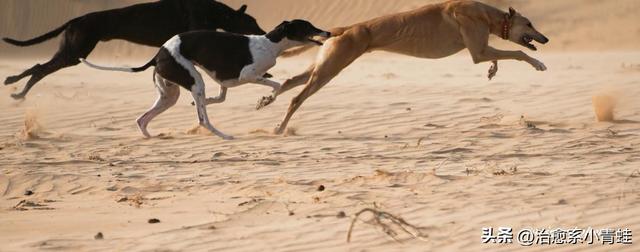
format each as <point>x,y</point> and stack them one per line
<point>168,94</point>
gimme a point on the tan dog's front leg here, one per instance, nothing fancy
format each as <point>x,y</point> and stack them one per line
<point>492,54</point>
<point>476,37</point>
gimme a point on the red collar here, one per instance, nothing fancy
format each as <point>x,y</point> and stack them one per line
<point>506,26</point>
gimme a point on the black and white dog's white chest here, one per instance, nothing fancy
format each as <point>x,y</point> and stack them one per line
<point>230,59</point>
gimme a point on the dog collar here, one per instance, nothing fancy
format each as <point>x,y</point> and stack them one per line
<point>506,26</point>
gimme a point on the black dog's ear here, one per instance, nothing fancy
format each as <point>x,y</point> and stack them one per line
<point>512,11</point>
<point>283,25</point>
<point>242,9</point>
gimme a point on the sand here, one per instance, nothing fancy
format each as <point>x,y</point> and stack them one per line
<point>431,141</point>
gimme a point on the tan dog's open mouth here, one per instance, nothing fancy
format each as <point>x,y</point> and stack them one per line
<point>526,41</point>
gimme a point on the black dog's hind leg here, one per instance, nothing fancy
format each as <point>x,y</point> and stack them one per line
<point>73,47</point>
<point>13,79</point>
<point>40,71</point>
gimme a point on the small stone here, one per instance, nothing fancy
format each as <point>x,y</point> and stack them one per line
<point>321,188</point>
<point>341,215</point>
<point>153,221</point>
<point>98,236</point>
<point>28,193</point>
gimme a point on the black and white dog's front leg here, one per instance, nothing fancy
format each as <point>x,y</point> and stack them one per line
<point>198,92</point>
<point>267,99</point>
<point>266,82</point>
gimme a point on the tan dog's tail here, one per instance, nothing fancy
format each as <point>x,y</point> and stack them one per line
<point>335,32</point>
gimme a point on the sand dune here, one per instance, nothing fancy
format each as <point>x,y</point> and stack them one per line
<point>431,141</point>
<point>571,24</point>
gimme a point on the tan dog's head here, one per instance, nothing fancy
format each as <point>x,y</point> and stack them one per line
<point>522,31</point>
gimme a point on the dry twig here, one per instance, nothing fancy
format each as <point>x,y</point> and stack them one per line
<point>388,228</point>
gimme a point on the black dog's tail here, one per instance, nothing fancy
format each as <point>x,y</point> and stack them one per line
<point>151,63</point>
<point>38,40</point>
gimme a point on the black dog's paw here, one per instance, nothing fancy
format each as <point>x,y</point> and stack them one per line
<point>18,96</point>
<point>10,80</point>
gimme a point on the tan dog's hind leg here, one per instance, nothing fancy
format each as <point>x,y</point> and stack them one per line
<point>336,54</point>
<point>298,80</point>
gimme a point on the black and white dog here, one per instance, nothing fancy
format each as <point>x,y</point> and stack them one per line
<point>230,59</point>
<point>149,24</point>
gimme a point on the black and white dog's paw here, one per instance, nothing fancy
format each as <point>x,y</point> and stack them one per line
<point>265,101</point>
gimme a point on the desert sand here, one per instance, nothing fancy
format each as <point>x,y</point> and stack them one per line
<point>431,141</point>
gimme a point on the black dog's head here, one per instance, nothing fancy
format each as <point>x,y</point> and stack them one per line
<point>220,16</point>
<point>297,30</point>
<point>522,31</point>
<point>243,23</point>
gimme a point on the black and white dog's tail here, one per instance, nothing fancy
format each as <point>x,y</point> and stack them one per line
<point>151,63</point>
<point>40,39</point>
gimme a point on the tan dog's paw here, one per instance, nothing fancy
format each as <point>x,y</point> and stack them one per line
<point>538,65</point>
<point>493,70</point>
<point>279,130</point>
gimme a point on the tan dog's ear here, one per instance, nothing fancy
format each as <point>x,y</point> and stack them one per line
<point>512,12</point>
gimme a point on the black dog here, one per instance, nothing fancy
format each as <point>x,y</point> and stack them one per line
<point>149,24</point>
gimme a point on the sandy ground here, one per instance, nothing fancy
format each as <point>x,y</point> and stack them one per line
<point>431,141</point>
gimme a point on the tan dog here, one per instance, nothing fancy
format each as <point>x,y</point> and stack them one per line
<point>433,31</point>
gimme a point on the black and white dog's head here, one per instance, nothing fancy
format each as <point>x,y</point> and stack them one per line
<point>224,17</point>
<point>297,30</point>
